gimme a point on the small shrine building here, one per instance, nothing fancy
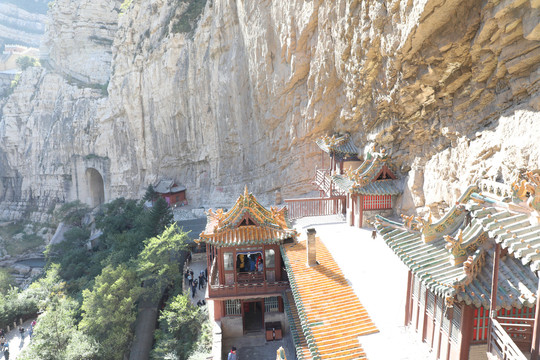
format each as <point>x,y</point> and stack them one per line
<point>247,279</point>
<point>473,282</point>
<point>172,193</point>
<point>341,150</point>
<point>371,189</point>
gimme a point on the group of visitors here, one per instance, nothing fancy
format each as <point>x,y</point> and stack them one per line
<point>4,345</point>
<point>195,283</point>
<point>250,262</point>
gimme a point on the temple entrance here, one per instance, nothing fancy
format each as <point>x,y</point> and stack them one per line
<point>96,190</point>
<point>253,317</point>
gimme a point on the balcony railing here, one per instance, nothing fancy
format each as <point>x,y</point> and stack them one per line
<point>298,208</point>
<point>509,336</point>
<point>247,288</point>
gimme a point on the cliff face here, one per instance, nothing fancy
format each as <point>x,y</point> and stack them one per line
<point>20,26</point>
<point>223,93</point>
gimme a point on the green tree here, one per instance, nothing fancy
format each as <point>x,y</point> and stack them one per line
<point>181,325</point>
<point>56,336</point>
<point>6,281</point>
<point>150,194</point>
<point>109,310</point>
<point>24,62</point>
<point>158,264</point>
<point>73,213</point>
<point>159,218</point>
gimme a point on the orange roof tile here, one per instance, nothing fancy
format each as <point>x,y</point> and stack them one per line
<point>331,316</point>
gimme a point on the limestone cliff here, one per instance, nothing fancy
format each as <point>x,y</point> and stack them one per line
<point>21,26</point>
<point>222,93</point>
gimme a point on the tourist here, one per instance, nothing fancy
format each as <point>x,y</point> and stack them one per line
<point>21,330</point>
<point>6,354</point>
<point>190,280</point>
<point>374,234</point>
<point>194,288</point>
<point>30,332</point>
<point>201,281</point>
<point>232,354</point>
<point>33,323</point>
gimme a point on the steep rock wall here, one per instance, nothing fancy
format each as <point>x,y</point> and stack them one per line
<point>237,94</point>
<point>19,26</point>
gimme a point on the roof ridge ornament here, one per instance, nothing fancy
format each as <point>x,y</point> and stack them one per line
<point>456,247</point>
<point>528,190</point>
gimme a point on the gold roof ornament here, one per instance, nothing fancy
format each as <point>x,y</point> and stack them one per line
<point>456,247</point>
<point>528,190</point>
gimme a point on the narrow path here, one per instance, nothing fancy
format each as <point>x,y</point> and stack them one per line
<point>198,263</point>
<point>16,344</point>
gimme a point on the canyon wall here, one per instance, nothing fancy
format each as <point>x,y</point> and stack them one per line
<point>221,93</point>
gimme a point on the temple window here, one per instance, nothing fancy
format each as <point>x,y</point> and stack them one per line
<point>456,324</point>
<point>249,261</point>
<point>430,303</point>
<point>232,307</point>
<point>270,256</point>
<point>228,262</point>
<point>271,304</point>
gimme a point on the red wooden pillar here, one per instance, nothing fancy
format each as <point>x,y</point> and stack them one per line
<point>408,308</point>
<point>219,263</point>
<point>361,211</point>
<point>494,286</point>
<point>467,326</point>
<point>535,346</point>
<point>353,215</point>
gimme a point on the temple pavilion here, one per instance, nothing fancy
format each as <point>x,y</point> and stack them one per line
<point>246,276</point>
<point>371,189</point>
<point>490,237</point>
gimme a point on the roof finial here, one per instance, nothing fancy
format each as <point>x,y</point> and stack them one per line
<point>246,191</point>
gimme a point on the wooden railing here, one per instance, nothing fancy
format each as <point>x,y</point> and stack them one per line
<point>322,180</point>
<point>504,335</point>
<point>298,208</point>
<point>325,184</point>
<point>250,288</point>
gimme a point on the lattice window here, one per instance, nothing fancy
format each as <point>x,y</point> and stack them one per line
<point>447,313</point>
<point>519,313</point>
<point>232,307</point>
<point>271,304</point>
<point>430,303</point>
<point>438,310</point>
<point>377,202</point>
<point>416,287</point>
<point>480,324</point>
<point>456,324</point>
<point>423,295</point>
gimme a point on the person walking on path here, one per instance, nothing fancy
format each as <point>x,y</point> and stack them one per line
<point>201,281</point>
<point>190,280</point>
<point>232,354</point>
<point>21,330</point>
